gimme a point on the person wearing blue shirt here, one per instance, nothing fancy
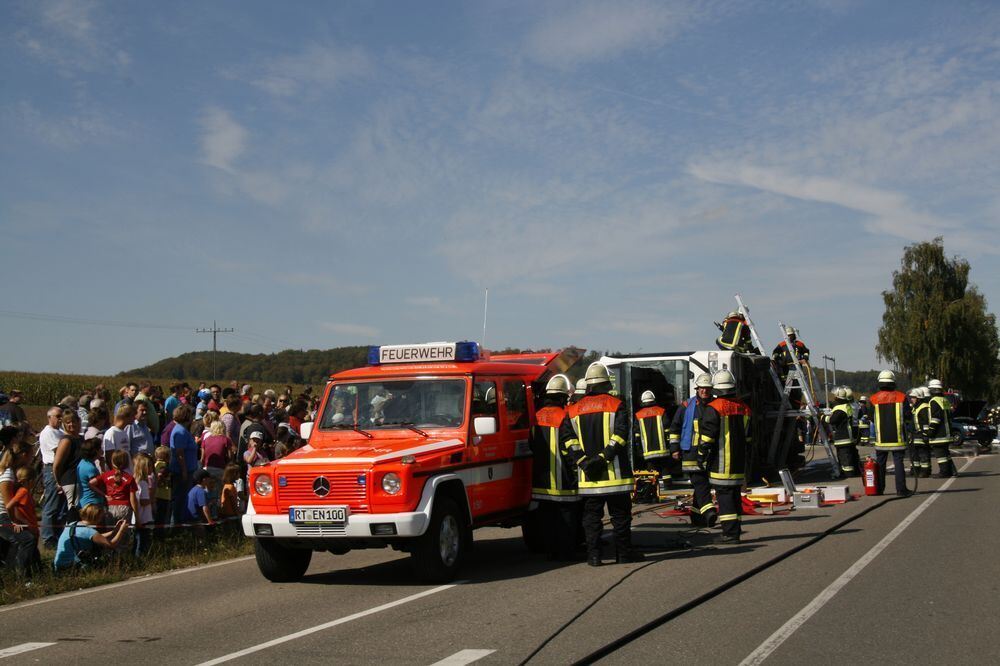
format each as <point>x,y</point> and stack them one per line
<point>86,472</point>
<point>183,461</point>
<point>83,538</point>
<point>198,510</point>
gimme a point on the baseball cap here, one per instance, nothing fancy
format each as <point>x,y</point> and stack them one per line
<point>92,433</point>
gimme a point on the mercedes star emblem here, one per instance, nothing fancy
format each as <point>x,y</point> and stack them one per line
<point>321,486</point>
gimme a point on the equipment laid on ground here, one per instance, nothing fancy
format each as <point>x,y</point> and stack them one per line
<point>871,476</point>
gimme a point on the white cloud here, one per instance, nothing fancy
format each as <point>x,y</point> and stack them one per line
<point>315,68</point>
<point>72,35</point>
<point>351,330</point>
<point>223,139</point>
<point>596,31</point>
<point>891,211</point>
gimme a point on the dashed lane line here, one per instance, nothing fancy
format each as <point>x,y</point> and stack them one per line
<point>330,624</point>
<point>774,641</point>
<point>463,657</point>
<point>22,648</point>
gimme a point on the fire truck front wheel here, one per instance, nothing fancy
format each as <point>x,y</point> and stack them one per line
<point>280,564</point>
<point>439,553</point>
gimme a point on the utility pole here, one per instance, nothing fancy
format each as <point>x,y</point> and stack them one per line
<point>215,330</point>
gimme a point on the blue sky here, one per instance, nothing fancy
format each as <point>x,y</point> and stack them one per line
<point>324,174</point>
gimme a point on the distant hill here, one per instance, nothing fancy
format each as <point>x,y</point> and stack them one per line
<point>288,367</point>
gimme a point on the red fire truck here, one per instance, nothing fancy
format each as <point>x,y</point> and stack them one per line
<point>414,451</point>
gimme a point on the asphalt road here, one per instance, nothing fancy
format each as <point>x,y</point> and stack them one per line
<point>926,594</point>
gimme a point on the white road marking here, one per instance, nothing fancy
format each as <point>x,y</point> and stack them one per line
<point>124,583</point>
<point>786,630</point>
<point>23,647</point>
<point>463,657</point>
<point>328,625</point>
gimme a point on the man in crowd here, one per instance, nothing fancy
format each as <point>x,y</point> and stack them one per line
<point>890,412</point>
<point>685,434</point>
<point>12,413</point>
<point>144,397</point>
<point>53,501</point>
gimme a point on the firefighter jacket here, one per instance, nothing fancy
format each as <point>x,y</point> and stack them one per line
<point>689,459</point>
<point>890,411</point>
<point>940,423</point>
<point>652,432</point>
<point>553,476</point>
<point>841,423</point>
<point>595,434</point>
<point>725,437</point>
<point>922,423</point>
<point>735,335</point>
<point>782,357</point>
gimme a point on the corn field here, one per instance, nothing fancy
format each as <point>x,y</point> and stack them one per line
<point>48,388</point>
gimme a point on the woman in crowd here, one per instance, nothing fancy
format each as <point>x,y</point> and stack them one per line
<point>67,456</point>
<point>81,541</point>
<point>19,541</point>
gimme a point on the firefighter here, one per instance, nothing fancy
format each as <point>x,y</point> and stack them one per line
<point>735,334</point>
<point>553,477</point>
<point>940,429</point>
<point>651,427</point>
<point>864,421</point>
<point>579,391</point>
<point>595,435</point>
<point>782,357</point>
<point>684,437</point>
<point>841,421</point>
<point>722,449</point>
<point>890,413</point>
<point>920,455</point>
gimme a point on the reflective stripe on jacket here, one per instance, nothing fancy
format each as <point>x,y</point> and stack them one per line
<point>939,420</point>
<point>651,432</point>
<point>598,425</point>
<point>841,423</point>
<point>725,430</point>
<point>553,477</point>
<point>889,408</point>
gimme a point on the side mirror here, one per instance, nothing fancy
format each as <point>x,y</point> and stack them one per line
<point>306,430</point>
<point>485,425</point>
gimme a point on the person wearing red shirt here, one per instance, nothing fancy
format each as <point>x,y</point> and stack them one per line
<point>120,489</point>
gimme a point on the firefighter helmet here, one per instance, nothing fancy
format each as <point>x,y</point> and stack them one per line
<point>597,373</point>
<point>581,386</point>
<point>935,385</point>
<point>925,392</point>
<point>559,384</point>
<point>648,398</point>
<point>915,393</point>
<point>704,380</point>
<point>789,331</point>
<point>863,398</point>
<point>887,377</point>
<point>732,314</point>
<point>840,393</point>
<point>723,381</point>
<point>848,393</point>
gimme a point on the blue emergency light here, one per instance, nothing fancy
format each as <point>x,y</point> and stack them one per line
<point>458,352</point>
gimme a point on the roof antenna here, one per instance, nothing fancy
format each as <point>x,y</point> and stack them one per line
<point>486,309</point>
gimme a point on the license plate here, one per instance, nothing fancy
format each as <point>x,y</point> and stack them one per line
<point>326,515</point>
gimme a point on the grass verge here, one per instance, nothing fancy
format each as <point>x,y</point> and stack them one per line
<point>176,551</point>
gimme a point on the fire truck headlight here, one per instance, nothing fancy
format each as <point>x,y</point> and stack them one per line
<point>391,483</point>
<point>262,485</point>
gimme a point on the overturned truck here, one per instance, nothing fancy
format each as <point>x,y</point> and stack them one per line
<point>776,441</point>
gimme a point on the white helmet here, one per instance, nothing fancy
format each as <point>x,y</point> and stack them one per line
<point>863,398</point>
<point>559,384</point>
<point>840,393</point>
<point>887,377</point>
<point>732,314</point>
<point>581,386</point>
<point>648,398</point>
<point>723,381</point>
<point>925,392</point>
<point>915,393</point>
<point>789,331</point>
<point>597,373</point>
<point>704,380</point>
<point>848,393</point>
<point>935,385</point>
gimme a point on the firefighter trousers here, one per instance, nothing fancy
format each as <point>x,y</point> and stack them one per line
<point>730,509</point>
<point>847,456</point>
<point>703,513</point>
<point>881,457</point>
<point>560,520</point>
<point>620,510</point>
<point>921,456</point>
<point>946,467</point>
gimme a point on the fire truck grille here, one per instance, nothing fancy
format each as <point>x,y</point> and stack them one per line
<point>320,530</point>
<point>344,490</point>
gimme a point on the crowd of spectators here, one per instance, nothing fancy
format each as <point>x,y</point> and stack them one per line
<point>120,471</point>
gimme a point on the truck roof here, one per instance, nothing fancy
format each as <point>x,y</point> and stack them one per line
<point>520,365</point>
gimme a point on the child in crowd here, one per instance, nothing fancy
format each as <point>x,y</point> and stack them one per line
<point>88,476</point>
<point>21,508</point>
<point>255,454</point>
<point>161,474</point>
<point>229,507</point>
<point>199,510</point>
<point>143,520</point>
<point>120,489</point>
<point>80,542</point>
<point>116,439</point>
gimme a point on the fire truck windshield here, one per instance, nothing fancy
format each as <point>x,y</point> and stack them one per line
<point>396,403</point>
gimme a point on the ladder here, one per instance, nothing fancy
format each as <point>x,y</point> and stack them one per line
<point>788,414</point>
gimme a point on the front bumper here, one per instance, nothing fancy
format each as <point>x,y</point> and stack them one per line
<point>358,526</point>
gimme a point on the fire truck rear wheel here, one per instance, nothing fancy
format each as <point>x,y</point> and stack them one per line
<point>439,553</point>
<point>280,564</point>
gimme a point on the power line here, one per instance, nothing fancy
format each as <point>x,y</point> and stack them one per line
<point>36,316</point>
<point>215,330</point>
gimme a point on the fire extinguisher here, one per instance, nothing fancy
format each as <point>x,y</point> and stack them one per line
<point>871,477</point>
